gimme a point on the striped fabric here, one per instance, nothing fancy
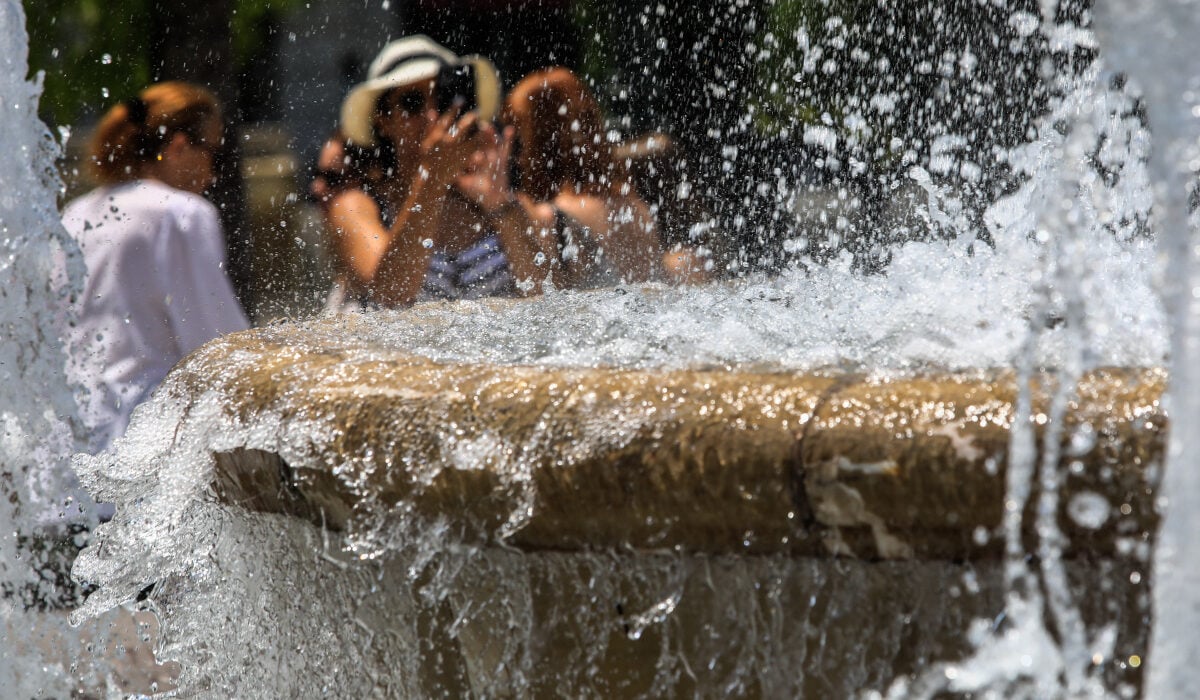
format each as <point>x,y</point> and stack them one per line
<point>479,271</point>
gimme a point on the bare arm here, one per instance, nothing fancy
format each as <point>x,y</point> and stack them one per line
<point>527,233</point>
<point>622,231</point>
<point>357,233</point>
<point>391,263</point>
<point>403,264</point>
<point>640,248</point>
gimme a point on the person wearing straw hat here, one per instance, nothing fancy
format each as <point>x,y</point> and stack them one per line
<point>416,194</point>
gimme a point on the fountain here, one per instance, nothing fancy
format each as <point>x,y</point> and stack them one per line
<point>1173,92</point>
<point>818,483</point>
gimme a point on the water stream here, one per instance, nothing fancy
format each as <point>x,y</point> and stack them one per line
<point>39,268</point>
<point>1161,61</point>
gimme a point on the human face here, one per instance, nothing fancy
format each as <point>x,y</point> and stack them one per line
<point>404,115</point>
<point>193,159</point>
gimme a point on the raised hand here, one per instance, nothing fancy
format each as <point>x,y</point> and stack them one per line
<point>485,181</point>
<point>449,146</point>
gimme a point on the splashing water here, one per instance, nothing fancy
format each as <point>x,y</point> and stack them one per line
<point>1022,659</point>
<point>1063,285</point>
<point>1162,61</point>
<point>1066,283</point>
<point>39,268</point>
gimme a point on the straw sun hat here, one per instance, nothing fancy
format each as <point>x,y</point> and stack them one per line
<point>406,61</point>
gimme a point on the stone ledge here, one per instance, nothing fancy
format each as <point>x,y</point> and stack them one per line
<point>702,461</point>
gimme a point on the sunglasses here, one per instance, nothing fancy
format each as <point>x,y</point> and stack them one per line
<point>410,101</point>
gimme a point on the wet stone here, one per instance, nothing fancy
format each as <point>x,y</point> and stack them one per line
<point>631,522</point>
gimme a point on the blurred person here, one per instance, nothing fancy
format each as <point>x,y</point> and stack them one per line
<point>565,168</point>
<point>416,195</point>
<point>155,287</point>
<point>658,169</point>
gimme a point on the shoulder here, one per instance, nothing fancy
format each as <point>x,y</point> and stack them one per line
<point>80,211</point>
<point>186,208</point>
<point>173,214</point>
<point>354,202</point>
<point>142,201</point>
<point>82,203</point>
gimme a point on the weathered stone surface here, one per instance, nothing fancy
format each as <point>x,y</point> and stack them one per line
<point>904,466</point>
<point>709,461</point>
<point>620,533</point>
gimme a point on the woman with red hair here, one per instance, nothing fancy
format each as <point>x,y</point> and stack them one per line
<point>564,168</point>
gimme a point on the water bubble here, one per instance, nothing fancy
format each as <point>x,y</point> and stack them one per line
<point>1089,509</point>
<point>1083,439</point>
<point>427,242</point>
<point>106,59</point>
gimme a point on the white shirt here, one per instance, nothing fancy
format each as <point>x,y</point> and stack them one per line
<point>155,289</point>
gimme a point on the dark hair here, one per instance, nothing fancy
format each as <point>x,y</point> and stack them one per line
<point>134,131</point>
<point>357,167</point>
<point>560,128</point>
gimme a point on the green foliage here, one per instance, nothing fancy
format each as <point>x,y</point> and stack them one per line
<point>93,52</point>
<point>97,52</point>
<point>246,21</point>
<point>888,78</point>
<point>594,20</point>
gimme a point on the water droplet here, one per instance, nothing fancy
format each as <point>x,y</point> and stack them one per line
<point>428,243</point>
<point>1089,509</point>
<point>106,59</point>
<point>1083,440</point>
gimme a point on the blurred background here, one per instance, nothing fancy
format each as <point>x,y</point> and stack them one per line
<point>776,133</point>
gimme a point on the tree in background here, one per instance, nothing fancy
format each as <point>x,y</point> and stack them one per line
<point>685,71</point>
<point>799,122</point>
<point>98,52</point>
